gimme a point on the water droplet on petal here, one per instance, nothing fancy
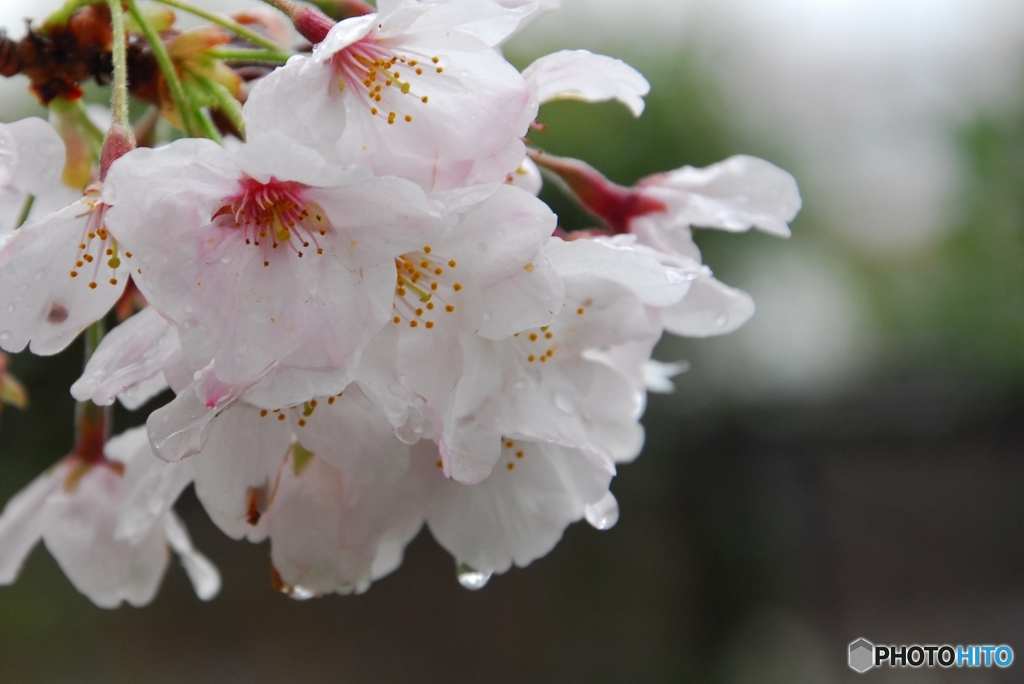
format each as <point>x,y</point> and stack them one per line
<point>565,403</point>
<point>604,514</point>
<point>187,308</point>
<point>225,260</point>
<point>10,308</point>
<point>301,593</point>
<point>470,578</point>
<point>312,286</point>
<point>722,320</point>
<point>5,335</point>
<point>38,275</point>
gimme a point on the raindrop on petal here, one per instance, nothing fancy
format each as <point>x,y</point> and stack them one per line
<point>301,593</point>
<point>565,403</point>
<point>470,578</point>
<point>605,513</point>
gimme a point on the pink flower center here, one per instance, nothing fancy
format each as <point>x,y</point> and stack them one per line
<point>274,214</point>
<point>384,77</point>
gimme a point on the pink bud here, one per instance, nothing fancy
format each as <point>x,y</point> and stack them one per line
<point>312,24</point>
<point>119,142</point>
<point>612,203</point>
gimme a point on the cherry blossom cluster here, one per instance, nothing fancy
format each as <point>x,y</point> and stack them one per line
<point>367,317</point>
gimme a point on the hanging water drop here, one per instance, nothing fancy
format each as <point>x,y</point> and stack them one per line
<point>301,593</point>
<point>722,320</point>
<point>605,513</point>
<point>471,579</point>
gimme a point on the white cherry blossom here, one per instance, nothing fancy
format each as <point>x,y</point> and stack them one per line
<point>538,384</point>
<point>58,274</point>
<point>487,277</point>
<point>266,256</point>
<point>75,508</point>
<point>415,90</point>
<point>519,512</point>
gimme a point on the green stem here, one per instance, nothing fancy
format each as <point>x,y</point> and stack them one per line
<point>119,54</point>
<point>243,55</point>
<point>163,60</point>
<point>226,102</point>
<point>25,209</point>
<point>285,6</point>
<point>209,130</point>
<point>93,336</point>
<point>224,22</point>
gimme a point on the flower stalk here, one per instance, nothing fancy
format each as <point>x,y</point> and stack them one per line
<point>163,60</point>
<point>120,138</point>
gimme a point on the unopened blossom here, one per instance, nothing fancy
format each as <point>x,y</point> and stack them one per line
<point>266,257</point>
<point>75,508</point>
<point>415,90</point>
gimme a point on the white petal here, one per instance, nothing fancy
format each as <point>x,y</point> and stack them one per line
<point>735,195</point>
<point>39,300</point>
<point>323,543</point>
<point>355,439</point>
<point>639,272</point>
<point>201,572</point>
<point>710,308</point>
<point>81,539</point>
<point>658,375</point>
<point>270,107</point>
<point>23,520</point>
<point>244,451</point>
<point>39,154</point>
<point>582,75</point>
<point>527,177</point>
<point>134,351</point>
<point>516,515</point>
<point>151,485</point>
<point>181,428</point>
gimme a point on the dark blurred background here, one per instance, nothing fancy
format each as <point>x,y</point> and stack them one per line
<point>847,465</point>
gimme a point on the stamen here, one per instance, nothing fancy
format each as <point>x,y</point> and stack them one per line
<point>276,210</point>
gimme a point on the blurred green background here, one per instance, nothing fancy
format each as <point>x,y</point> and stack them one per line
<point>847,465</point>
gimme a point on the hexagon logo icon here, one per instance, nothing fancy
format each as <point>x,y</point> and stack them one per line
<point>862,655</point>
